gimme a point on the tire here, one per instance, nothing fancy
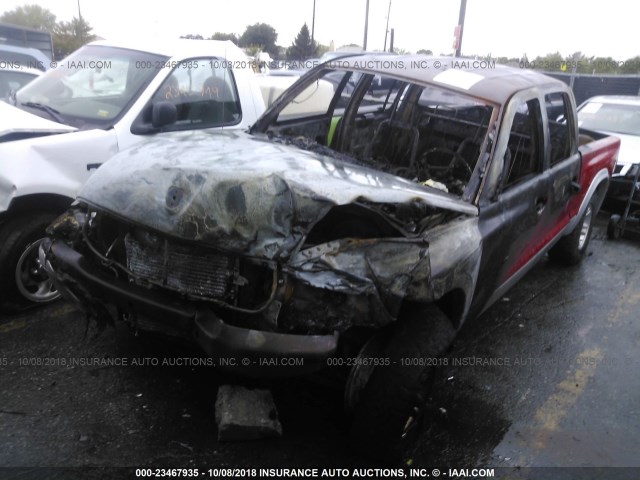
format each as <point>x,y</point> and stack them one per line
<point>570,250</point>
<point>22,282</point>
<point>388,408</point>
<point>613,229</point>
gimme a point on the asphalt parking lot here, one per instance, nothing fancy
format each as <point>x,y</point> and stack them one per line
<point>547,377</point>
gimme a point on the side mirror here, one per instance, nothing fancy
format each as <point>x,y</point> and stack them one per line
<point>163,114</point>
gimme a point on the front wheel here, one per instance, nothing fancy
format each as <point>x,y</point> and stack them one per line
<point>570,250</point>
<point>386,400</point>
<point>23,281</point>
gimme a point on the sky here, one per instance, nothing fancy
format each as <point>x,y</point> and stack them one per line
<point>508,28</point>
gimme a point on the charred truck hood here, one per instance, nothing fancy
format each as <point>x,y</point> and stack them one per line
<point>243,193</point>
<point>255,246</point>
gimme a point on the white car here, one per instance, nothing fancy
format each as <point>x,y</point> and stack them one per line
<point>102,99</point>
<point>12,78</point>
<point>617,115</point>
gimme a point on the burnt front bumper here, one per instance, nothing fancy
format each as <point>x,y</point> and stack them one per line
<point>247,351</point>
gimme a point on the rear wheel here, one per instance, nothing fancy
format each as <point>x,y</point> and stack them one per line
<point>23,281</point>
<point>570,250</point>
<point>386,400</point>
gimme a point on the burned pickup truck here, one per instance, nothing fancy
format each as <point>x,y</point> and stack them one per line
<point>369,212</point>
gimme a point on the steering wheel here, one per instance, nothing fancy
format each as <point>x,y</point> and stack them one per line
<point>441,170</point>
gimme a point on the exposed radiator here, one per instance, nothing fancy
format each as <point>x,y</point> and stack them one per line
<point>181,268</point>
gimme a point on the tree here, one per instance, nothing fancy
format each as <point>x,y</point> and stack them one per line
<point>31,16</point>
<point>512,62</point>
<point>69,36</point>
<point>261,35</point>
<point>631,65</point>
<point>422,51</point>
<point>225,36</point>
<point>551,62</point>
<point>66,36</point>
<point>582,64</point>
<point>320,49</point>
<point>191,36</point>
<point>253,50</point>
<point>302,47</point>
<point>604,65</point>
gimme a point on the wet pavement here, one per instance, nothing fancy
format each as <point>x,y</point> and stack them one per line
<point>547,377</point>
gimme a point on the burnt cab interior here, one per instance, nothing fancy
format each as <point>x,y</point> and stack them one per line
<point>422,133</point>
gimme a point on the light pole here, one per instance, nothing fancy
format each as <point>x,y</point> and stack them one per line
<point>386,31</point>
<point>575,58</point>
<point>460,27</point>
<point>313,22</point>
<point>366,27</point>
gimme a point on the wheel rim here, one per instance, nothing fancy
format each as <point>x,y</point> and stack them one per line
<point>31,279</point>
<point>586,226</point>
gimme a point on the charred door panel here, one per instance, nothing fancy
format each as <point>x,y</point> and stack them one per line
<point>564,160</point>
<point>512,224</point>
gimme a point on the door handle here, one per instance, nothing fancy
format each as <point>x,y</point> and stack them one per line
<point>575,186</point>
<point>541,203</point>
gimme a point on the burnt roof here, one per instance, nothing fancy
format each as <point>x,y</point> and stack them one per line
<point>479,78</point>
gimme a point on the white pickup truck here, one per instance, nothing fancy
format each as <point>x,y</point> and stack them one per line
<point>102,99</point>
